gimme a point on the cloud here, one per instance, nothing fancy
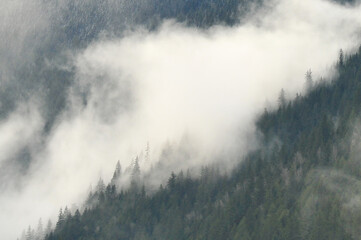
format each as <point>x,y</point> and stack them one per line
<point>196,90</point>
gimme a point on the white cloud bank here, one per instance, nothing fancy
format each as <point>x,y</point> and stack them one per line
<point>158,87</point>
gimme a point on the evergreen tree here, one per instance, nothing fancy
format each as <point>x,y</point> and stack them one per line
<point>309,81</point>
<point>100,186</point>
<point>30,234</point>
<point>135,175</point>
<point>49,227</point>
<point>341,58</point>
<point>40,231</point>
<point>117,173</point>
<point>282,98</point>
<point>61,219</point>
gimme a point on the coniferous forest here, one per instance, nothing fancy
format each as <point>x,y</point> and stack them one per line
<point>300,187</point>
<point>302,180</point>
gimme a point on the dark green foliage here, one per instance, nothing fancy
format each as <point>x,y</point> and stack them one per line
<point>293,187</point>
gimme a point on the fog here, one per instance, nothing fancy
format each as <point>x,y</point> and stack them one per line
<point>196,90</point>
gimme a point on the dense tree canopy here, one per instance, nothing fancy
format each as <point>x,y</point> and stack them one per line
<point>287,189</point>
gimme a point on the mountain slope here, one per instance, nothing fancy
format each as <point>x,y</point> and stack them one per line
<point>290,188</point>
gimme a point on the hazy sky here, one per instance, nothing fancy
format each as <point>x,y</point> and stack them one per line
<point>163,87</point>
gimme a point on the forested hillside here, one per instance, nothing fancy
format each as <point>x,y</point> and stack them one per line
<point>301,180</point>
<point>303,183</point>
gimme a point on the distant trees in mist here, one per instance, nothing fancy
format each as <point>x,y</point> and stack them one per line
<point>37,234</point>
<point>289,188</point>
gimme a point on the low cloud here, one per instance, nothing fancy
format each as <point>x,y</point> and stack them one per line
<point>196,90</point>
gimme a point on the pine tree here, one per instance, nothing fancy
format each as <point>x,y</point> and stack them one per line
<point>100,186</point>
<point>309,81</point>
<point>61,219</point>
<point>282,98</point>
<point>40,231</point>
<point>49,227</point>
<point>67,213</point>
<point>341,58</point>
<point>30,234</point>
<point>136,169</point>
<point>172,181</point>
<point>117,173</point>
<point>135,176</point>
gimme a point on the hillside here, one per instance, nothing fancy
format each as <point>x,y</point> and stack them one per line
<point>301,184</point>
<point>89,82</point>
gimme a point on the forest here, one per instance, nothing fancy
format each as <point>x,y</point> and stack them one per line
<point>302,181</point>
<point>298,187</point>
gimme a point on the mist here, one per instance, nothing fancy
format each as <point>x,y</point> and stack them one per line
<point>194,90</point>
